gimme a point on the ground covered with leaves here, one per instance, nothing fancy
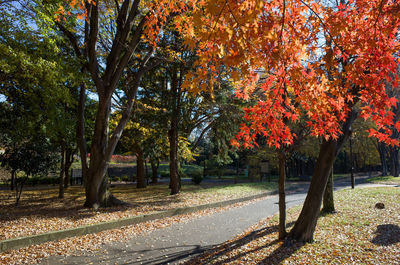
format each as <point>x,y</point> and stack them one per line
<point>41,211</point>
<point>92,243</point>
<point>358,233</point>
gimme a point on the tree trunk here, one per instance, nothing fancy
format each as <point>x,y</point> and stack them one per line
<point>62,172</point>
<point>394,161</point>
<point>173,160</point>
<point>140,171</point>
<point>328,202</point>
<point>12,185</point>
<point>382,156</point>
<point>69,158</point>
<point>98,158</point>
<point>173,132</point>
<point>154,171</point>
<point>282,196</point>
<point>304,227</point>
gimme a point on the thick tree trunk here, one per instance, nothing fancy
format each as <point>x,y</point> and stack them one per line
<point>282,196</point>
<point>98,158</point>
<point>140,171</point>
<point>154,171</point>
<point>328,202</point>
<point>394,161</point>
<point>62,172</point>
<point>96,197</point>
<point>304,227</point>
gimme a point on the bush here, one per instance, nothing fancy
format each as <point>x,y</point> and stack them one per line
<point>38,180</point>
<point>197,177</point>
<point>116,179</point>
<point>164,174</point>
<point>126,178</point>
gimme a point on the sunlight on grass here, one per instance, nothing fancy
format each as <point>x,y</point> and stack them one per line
<point>357,234</point>
<point>385,180</point>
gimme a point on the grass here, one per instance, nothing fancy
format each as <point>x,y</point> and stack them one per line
<point>357,234</point>
<point>41,211</point>
<point>385,180</point>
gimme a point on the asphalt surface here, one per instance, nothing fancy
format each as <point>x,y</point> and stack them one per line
<point>182,241</point>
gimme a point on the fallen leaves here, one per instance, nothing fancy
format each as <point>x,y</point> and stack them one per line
<point>357,234</point>
<point>40,211</point>
<point>92,243</point>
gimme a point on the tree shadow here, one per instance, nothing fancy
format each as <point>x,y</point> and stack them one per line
<point>46,205</point>
<point>158,256</point>
<point>225,250</point>
<point>386,235</point>
<point>281,253</point>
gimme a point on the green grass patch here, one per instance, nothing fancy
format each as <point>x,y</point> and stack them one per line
<point>240,188</point>
<point>385,180</point>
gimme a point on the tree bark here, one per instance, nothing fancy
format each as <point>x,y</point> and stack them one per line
<point>62,172</point>
<point>129,31</point>
<point>173,159</point>
<point>328,202</point>
<point>394,161</point>
<point>282,195</point>
<point>304,227</point>
<point>140,171</point>
<point>69,158</point>
<point>173,133</point>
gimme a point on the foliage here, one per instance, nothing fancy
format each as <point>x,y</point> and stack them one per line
<point>278,44</point>
<point>123,159</point>
<point>197,177</point>
<point>34,157</point>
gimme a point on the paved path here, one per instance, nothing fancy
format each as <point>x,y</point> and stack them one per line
<point>180,241</point>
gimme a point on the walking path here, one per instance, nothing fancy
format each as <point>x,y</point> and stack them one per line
<point>181,241</point>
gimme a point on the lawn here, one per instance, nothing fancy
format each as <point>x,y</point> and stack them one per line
<point>385,180</point>
<point>41,211</point>
<point>357,234</point>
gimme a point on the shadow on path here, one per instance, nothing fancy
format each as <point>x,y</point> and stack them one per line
<point>235,249</point>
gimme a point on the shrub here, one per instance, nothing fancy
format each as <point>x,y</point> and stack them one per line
<point>126,178</point>
<point>164,174</point>
<point>197,177</point>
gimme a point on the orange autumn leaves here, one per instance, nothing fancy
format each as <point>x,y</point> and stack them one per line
<point>291,60</point>
<point>300,60</point>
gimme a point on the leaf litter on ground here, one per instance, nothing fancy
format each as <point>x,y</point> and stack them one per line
<point>357,234</point>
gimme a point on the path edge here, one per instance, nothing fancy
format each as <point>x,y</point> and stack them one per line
<point>20,242</point>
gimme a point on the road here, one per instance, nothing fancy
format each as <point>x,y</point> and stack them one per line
<point>181,241</point>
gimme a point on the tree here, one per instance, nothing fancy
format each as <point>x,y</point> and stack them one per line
<point>283,39</point>
<point>107,37</point>
<point>38,81</point>
<point>35,156</point>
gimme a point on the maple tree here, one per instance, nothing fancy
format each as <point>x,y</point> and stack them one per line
<point>319,60</point>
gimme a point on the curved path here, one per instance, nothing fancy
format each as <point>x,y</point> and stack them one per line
<point>178,242</point>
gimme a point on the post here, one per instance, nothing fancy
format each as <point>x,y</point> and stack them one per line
<point>351,160</point>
